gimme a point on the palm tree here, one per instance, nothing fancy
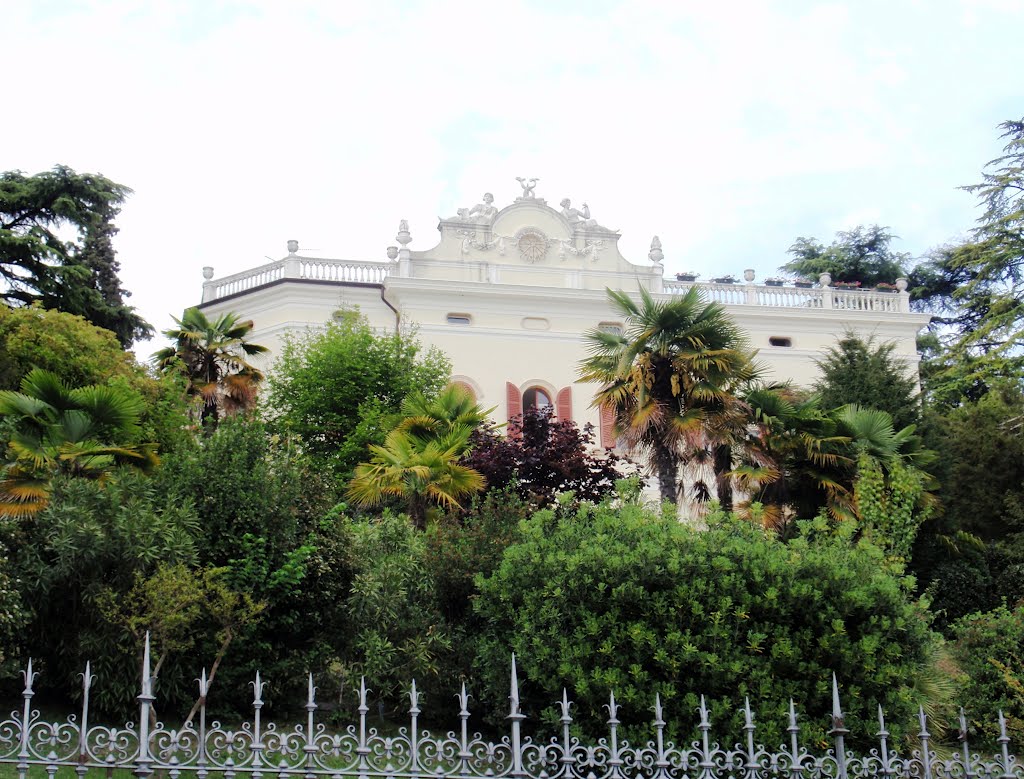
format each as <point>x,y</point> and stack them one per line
<point>453,409</point>
<point>213,356</point>
<point>421,471</point>
<point>63,431</point>
<point>669,378</point>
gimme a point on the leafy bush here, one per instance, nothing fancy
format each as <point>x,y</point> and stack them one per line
<point>543,456</point>
<point>339,389</point>
<point>990,650</point>
<point>605,599</point>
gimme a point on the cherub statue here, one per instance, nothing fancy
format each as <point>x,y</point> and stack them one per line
<point>528,187</point>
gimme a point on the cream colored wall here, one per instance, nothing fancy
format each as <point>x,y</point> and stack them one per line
<point>529,314</point>
<point>500,345</point>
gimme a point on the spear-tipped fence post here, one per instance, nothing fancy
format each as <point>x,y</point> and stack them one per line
<point>661,760</point>
<point>26,719</point>
<point>567,760</point>
<point>516,716</point>
<point>1004,747</point>
<point>796,766</point>
<point>964,746</point>
<point>706,764</point>
<point>839,731</point>
<point>414,730</point>
<point>83,730</point>
<point>464,753</point>
<point>144,763</point>
<point>362,749</point>
<point>886,768</point>
<point>748,729</point>
<point>257,735</point>
<point>310,747</point>
<point>204,690</point>
<point>614,759</point>
<point>926,749</point>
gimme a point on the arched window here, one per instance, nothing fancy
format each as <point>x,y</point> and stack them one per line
<point>535,398</point>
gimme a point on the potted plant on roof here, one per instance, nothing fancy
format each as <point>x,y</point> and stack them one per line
<point>803,283</point>
<point>728,278</point>
<point>847,285</point>
<point>687,276</point>
<point>884,287</point>
<point>774,281</point>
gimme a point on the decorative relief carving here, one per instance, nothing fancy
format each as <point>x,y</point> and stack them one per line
<point>590,247</point>
<point>469,242</point>
<point>532,243</point>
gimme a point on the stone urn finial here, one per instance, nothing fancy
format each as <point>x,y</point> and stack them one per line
<point>392,252</point>
<point>902,284</point>
<point>656,255</point>
<point>293,246</point>
<point>404,237</point>
<point>825,279</point>
<point>208,272</point>
<point>748,275</point>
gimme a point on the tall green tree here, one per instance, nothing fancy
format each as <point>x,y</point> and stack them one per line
<point>668,377</point>
<point>213,355</point>
<point>989,297</point>
<point>863,254</point>
<point>868,374</point>
<point>39,264</point>
<point>85,432</point>
<point>341,388</point>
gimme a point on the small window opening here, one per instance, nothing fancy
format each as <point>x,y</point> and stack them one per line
<point>459,319</point>
<point>535,399</point>
<point>777,340</point>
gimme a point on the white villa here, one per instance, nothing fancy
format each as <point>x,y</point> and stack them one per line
<point>507,294</point>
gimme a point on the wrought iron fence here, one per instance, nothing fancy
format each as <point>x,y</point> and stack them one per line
<point>309,750</point>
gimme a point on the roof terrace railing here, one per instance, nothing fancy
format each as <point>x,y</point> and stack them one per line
<point>820,297</point>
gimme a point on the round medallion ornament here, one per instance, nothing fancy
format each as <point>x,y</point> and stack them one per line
<point>533,245</point>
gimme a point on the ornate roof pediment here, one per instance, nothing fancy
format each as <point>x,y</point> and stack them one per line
<point>527,231</point>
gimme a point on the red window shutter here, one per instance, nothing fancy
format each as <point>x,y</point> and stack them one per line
<point>515,399</point>
<point>563,404</point>
<point>607,427</point>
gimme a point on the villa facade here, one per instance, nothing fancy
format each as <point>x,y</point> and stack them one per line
<point>507,294</point>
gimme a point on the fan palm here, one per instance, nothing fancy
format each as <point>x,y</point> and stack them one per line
<point>453,409</point>
<point>420,471</point>
<point>668,378</point>
<point>214,358</point>
<point>64,431</point>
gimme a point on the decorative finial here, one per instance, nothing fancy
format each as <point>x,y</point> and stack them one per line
<point>825,279</point>
<point>204,684</point>
<point>392,252</point>
<point>310,692</point>
<point>513,694</point>
<point>528,186</point>
<point>403,236</point>
<point>748,275</point>
<point>257,688</point>
<point>293,246</point>
<point>656,255</point>
<point>207,272</point>
<point>147,680</point>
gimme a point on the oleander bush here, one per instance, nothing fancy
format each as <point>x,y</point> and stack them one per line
<point>605,599</point>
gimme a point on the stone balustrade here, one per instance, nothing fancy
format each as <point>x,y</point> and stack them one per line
<point>314,269</point>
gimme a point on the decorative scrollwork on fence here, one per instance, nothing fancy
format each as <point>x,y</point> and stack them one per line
<point>308,749</point>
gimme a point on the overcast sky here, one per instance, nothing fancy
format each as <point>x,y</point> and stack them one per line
<point>726,128</point>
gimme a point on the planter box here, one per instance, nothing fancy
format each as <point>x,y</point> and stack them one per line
<point>685,277</point>
<point>803,284</point>
<point>724,281</point>
<point>886,291</point>
<point>773,283</point>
